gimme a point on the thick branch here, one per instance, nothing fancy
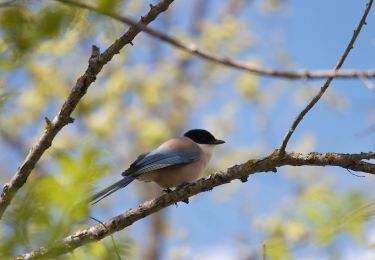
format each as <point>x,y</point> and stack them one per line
<point>341,61</point>
<point>269,164</point>
<point>96,63</point>
<point>194,50</point>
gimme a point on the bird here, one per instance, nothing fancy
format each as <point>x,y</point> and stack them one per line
<point>176,162</point>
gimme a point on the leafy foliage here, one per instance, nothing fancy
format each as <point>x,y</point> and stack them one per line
<point>318,216</point>
<point>53,206</point>
<point>23,27</point>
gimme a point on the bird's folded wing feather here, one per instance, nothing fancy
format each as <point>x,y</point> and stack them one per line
<point>160,159</point>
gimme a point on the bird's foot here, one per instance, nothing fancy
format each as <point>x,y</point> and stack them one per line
<point>244,179</point>
<point>168,190</point>
<point>186,201</point>
<point>181,186</point>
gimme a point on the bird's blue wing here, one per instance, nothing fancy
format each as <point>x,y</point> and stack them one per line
<point>160,159</point>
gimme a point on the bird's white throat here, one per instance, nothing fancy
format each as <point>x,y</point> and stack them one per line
<point>207,149</point>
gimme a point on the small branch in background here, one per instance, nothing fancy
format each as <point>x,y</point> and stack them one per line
<point>155,236</point>
<point>323,89</point>
<point>7,3</point>
<point>96,63</point>
<point>353,162</point>
<point>367,83</point>
<point>13,141</point>
<point>213,57</point>
<point>264,251</point>
<point>233,6</point>
<point>199,11</point>
<point>366,132</point>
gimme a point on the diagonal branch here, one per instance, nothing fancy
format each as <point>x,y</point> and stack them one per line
<point>96,63</point>
<point>269,164</point>
<point>329,80</point>
<point>194,50</point>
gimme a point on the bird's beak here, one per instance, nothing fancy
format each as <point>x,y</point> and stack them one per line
<point>218,142</point>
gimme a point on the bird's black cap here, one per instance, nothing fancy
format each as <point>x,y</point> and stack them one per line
<point>202,136</point>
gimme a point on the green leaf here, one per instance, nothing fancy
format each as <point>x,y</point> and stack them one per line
<point>108,5</point>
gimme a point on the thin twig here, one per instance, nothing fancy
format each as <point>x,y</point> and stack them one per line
<point>194,50</point>
<point>96,63</point>
<point>112,239</point>
<point>329,80</point>
<point>94,233</point>
<point>356,175</point>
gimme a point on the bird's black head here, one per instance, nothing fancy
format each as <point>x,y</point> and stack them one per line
<point>201,136</point>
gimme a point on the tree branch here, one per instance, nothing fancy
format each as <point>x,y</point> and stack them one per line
<point>96,63</point>
<point>268,164</point>
<point>329,80</point>
<point>194,50</point>
<point>7,3</point>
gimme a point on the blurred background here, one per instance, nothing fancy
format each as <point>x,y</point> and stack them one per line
<point>151,92</point>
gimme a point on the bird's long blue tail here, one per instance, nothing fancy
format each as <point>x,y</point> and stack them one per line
<point>111,189</point>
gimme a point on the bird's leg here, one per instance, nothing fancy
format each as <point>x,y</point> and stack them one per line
<point>168,190</point>
<point>179,187</point>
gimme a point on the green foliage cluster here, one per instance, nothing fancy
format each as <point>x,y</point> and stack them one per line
<point>317,217</point>
<point>53,206</point>
<point>25,26</point>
